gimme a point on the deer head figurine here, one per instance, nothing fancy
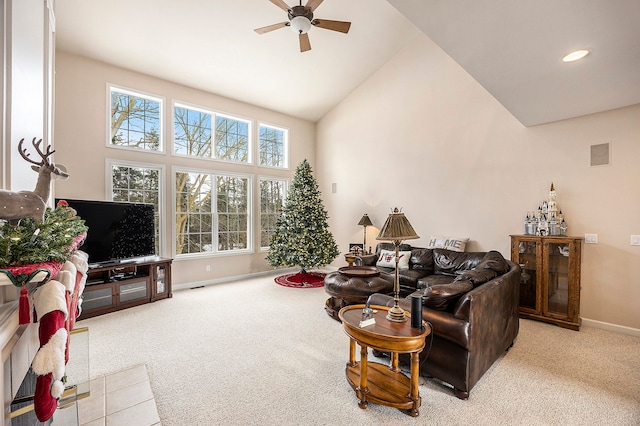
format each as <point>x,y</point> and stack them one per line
<point>17,205</point>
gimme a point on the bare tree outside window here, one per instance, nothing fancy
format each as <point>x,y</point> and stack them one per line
<point>272,146</point>
<point>135,121</point>
<point>272,196</point>
<point>194,135</point>
<point>196,220</point>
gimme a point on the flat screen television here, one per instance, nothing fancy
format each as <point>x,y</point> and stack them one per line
<point>118,232</point>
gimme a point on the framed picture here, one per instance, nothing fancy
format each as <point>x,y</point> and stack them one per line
<point>356,247</point>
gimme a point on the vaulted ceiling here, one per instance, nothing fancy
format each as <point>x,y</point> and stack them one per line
<point>511,48</point>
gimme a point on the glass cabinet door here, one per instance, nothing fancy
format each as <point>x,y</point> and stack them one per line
<point>526,258</point>
<point>557,285</point>
<point>549,278</point>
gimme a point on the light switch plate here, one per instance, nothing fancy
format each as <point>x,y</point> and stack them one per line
<point>635,240</point>
<point>591,238</point>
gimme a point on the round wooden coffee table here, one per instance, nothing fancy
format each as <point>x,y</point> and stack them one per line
<point>379,383</point>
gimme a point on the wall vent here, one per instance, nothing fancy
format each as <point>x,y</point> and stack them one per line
<point>600,154</point>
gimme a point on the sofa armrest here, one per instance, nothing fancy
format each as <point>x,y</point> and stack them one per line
<point>492,308</point>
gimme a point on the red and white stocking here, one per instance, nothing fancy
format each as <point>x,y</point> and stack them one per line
<point>50,303</point>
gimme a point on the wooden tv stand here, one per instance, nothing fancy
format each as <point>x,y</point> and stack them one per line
<point>120,286</point>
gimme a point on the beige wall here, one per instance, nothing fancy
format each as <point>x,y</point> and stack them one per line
<point>81,132</point>
<point>422,135</point>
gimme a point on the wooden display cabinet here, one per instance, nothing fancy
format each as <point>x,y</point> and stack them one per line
<point>115,287</point>
<point>550,278</point>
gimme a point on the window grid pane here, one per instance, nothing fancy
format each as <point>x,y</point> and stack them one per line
<point>271,146</point>
<point>272,195</point>
<point>138,185</point>
<point>192,134</point>
<point>194,214</point>
<point>233,218</point>
<point>232,139</point>
<point>135,121</point>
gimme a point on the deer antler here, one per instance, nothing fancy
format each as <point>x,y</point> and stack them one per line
<point>43,155</point>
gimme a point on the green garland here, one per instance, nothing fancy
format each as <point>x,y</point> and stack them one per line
<point>49,241</point>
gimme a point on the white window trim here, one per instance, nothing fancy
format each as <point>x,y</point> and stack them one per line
<point>213,113</point>
<point>214,206</point>
<point>162,223</point>
<point>140,94</point>
<point>259,211</point>
<point>285,149</point>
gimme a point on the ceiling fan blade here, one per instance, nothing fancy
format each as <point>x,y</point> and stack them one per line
<point>313,4</point>
<point>304,42</point>
<point>271,27</point>
<point>328,24</point>
<point>282,5</point>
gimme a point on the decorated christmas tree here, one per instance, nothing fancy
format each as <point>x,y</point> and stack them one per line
<point>302,236</point>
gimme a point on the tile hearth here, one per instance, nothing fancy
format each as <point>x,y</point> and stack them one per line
<point>120,399</point>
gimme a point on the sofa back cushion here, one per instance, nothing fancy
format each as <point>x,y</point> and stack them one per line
<point>454,263</point>
<point>494,260</point>
<point>422,259</point>
<point>491,266</point>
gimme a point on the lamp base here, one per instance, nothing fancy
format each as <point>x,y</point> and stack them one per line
<point>396,314</point>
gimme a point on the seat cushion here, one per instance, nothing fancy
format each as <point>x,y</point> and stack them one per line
<point>431,280</point>
<point>454,263</point>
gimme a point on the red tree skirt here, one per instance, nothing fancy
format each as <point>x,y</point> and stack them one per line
<point>300,280</point>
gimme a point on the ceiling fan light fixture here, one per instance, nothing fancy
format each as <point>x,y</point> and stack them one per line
<point>300,24</point>
<point>575,55</point>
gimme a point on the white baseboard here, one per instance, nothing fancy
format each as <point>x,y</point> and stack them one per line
<point>196,284</point>
<point>611,327</point>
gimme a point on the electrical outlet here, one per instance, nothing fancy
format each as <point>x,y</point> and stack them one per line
<point>208,268</point>
<point>635,240</point>
<point>591,238</point>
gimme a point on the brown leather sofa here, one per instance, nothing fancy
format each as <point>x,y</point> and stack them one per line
<point>471,301</point>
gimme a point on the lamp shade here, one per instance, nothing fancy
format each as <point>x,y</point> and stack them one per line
<point>365,221</point>
<point>397,228</point>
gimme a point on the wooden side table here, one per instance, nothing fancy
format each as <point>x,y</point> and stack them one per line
<point>379,383</point>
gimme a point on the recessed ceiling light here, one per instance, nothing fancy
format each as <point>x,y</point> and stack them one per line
<point>575,55</point>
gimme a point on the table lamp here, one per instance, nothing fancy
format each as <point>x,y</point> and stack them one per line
<point>396,229</point>
<point>365,221</point>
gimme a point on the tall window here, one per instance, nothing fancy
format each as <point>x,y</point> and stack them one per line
<point>212,212</point>
<point>193,133</point>
<point>233,213</point>
<point>136,120</point>
<point>273,146</point>
<point>138,184</point>
<point>272,196</point>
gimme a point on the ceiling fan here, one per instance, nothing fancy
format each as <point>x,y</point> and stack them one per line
<point>301,20</point>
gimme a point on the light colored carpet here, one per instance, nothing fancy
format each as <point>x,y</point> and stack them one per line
<point>253,352</point>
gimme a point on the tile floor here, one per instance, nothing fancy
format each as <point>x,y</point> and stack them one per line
<point>119,399</point>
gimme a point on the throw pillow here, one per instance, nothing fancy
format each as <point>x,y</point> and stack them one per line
<point>447,243</point>
<point>387,259</point>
